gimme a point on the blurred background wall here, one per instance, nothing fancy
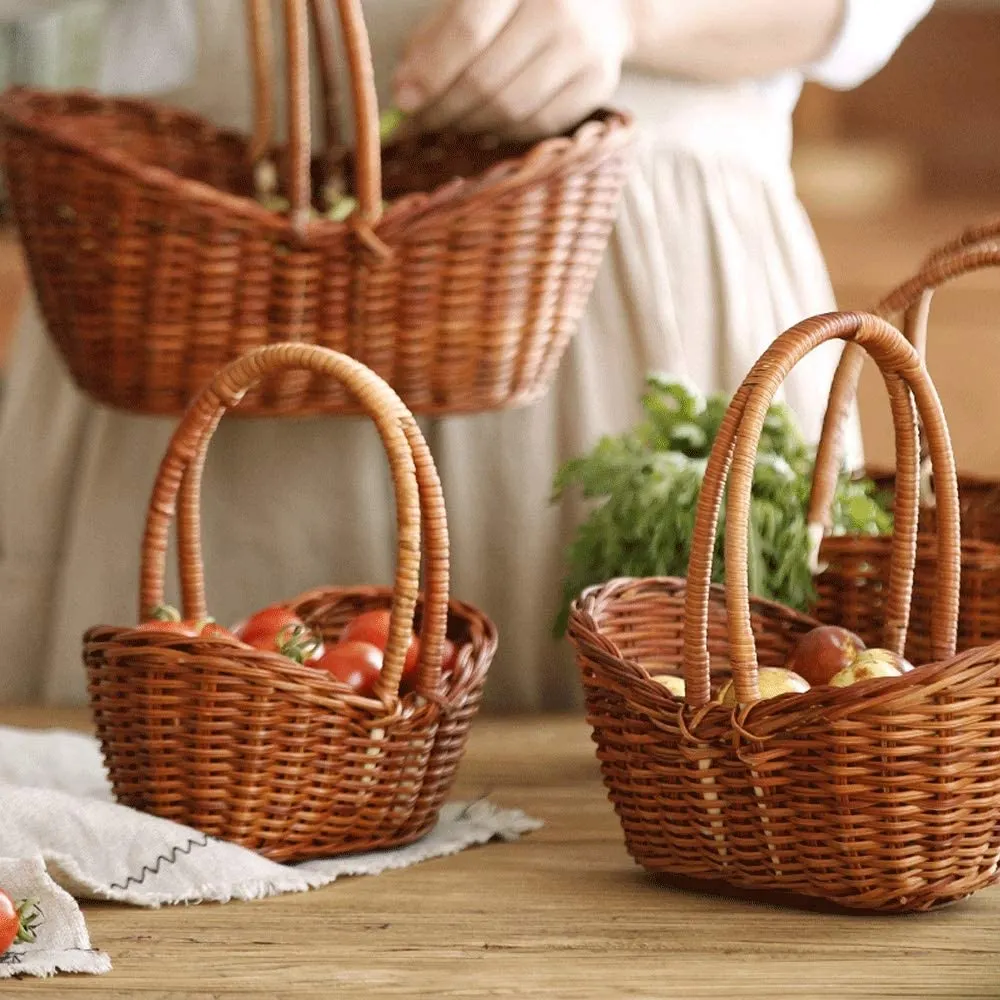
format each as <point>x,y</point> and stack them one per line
<point>886,172</point>
<point>903,163</point>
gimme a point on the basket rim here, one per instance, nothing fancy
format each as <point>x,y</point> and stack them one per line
<point>976,480</point>
<point>603,133</point>
<point>976,552</point>
<point>316,686</point>
<point>771,715</point>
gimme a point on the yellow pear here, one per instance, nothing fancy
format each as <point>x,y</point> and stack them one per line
<point>675,685</point>
<point>869,664</point>
<point>772,681</point>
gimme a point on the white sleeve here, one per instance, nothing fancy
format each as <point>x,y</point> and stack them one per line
<point>870,32</point>
<point>150,46</point>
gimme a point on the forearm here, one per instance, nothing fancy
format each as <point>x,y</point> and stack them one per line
<point>723,40</point>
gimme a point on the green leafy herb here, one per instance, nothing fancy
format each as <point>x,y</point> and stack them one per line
<point>389,123</point>
<point>645,485</point>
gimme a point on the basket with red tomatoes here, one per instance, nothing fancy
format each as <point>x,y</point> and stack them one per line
<point>329,723</point>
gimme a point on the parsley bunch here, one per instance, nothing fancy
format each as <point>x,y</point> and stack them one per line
<point>646,484</point>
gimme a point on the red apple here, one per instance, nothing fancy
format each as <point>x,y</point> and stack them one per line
<point>823,652</point>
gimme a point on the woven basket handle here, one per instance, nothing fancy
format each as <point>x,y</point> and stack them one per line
<point>419,501</point>
<point>913,300</point>
<point>984,232</point>
<point>368,157</point>
<point>324,25</point>
<point>735,448</point>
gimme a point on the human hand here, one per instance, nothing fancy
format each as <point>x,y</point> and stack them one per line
<point>524,68</point>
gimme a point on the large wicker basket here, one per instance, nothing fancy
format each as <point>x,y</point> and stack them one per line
<point>154,264</point>
<point>852,586</point>
<point>251,747</point>
<point>881,796</point>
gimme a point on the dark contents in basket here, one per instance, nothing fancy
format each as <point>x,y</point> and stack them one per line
<point>184,145</point>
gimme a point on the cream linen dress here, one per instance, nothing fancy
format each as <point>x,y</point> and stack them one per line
<point>711,258</point>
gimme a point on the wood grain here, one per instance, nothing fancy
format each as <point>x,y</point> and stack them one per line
<point>561,914</point>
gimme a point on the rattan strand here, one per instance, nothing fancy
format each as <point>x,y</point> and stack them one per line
<point>251,747</point>
<point>154,265</point>
<point>880,796</point>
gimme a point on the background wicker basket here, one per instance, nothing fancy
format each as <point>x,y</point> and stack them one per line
<point>852,586</point>
<point>884,795</point>
<point>154,264</point>
<point>251,747</point>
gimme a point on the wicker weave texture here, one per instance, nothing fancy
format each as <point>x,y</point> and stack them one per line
<point>881,796</point>
<point>155,266</point>
<point>251,747</point>
<point>852,586</point>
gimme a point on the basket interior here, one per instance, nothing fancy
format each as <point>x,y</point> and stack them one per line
<point>330,614</point>
<point>979,500</point>
<point>646,624</point>
<point>194,149</point>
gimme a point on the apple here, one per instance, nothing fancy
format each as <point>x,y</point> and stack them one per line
<point>824,652</point>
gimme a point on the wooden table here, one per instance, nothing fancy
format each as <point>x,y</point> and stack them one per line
<point>563,913</point>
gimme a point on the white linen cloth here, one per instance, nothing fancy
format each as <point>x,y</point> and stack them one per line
<point>61,941</point>
<point>56,804</point>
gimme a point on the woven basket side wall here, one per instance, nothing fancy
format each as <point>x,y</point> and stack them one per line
<point>875,802</point>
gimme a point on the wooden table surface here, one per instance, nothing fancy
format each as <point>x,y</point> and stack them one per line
<point>562,913</point>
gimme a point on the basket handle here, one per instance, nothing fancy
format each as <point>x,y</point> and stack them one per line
<point>735,448</point>
<point>419,501</point>
<point>983,232</point>
<point>913,300</point>
<point>368,157</point>
<point>324,25</point>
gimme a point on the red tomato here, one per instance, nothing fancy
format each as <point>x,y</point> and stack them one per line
<point>213,631</point>
<point>449,658</point>
<point>357,664</point>
<point>10,922</point>
<point>265,625</point>
<point>373,627</point>
<point>18,921</point>
<point>278,629</point>
<point>297,642</point>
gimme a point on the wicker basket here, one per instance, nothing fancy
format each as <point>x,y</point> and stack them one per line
<point>881,796</point>
<point>249,746</point>
<point>155,265</point>
<point>853,584</point>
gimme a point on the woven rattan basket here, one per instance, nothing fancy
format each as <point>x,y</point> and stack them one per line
<point>251,747</point>
<point>154,264</point>
<point>853,584</point>
<point>880,796</point>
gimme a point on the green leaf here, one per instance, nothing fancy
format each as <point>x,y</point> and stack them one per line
<point>389,123</point>
<point>645,486</point>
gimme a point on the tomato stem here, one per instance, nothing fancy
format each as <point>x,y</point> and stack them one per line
<point>297,642</point>
<point>29,918</point>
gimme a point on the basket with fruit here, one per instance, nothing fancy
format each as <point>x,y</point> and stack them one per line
<point>456,267</point>
<point>744,743</point>
<point>331,723</point>
<point>853,568</point>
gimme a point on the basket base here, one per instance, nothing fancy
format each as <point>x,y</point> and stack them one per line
<point>772,897</point>
<point>283,856</point>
